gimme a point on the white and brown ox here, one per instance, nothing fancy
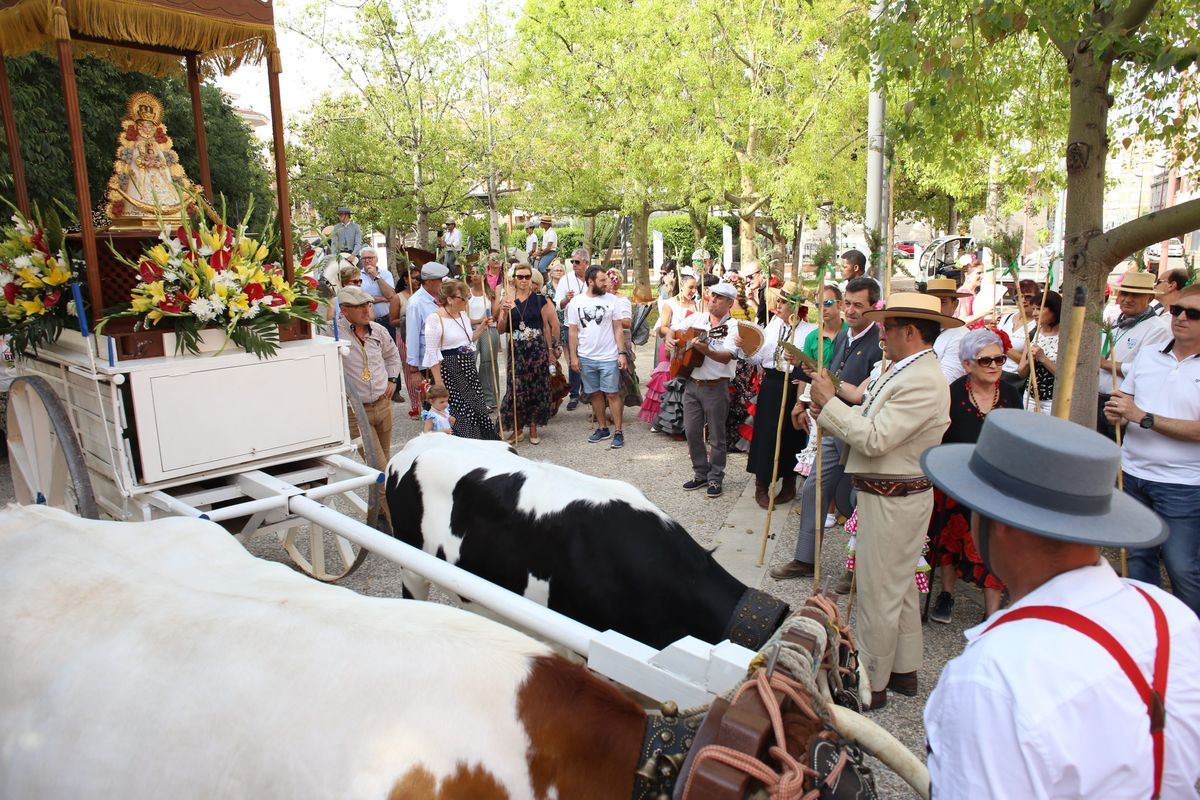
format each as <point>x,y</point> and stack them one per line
<point>160,659</point>
<point>596,550</point>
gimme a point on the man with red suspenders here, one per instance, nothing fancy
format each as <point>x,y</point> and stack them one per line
<point>1088,686</point>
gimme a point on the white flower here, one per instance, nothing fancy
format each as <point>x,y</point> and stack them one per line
<point>23,262</point>
<point>253,312</point>
<point>204,309</point>
<point>71,310</point>
<point>6,278</point>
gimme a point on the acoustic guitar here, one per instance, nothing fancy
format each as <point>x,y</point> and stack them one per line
<point>686,357</point>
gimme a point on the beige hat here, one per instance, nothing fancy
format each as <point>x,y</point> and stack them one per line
<point>1136,283</point>
<point>944,287</point>
<point>353,296</point>
<point>917,306</point>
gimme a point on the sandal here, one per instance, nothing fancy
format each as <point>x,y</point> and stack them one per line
<point>534,439</point>
<point>516,438</point>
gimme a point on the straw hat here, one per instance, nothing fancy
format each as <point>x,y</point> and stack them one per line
<point>915,306</point>
<point>1136,283</point>
<point>944,287</point>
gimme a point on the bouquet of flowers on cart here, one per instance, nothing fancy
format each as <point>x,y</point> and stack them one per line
<point>35,278</point>
<point>207,275</point>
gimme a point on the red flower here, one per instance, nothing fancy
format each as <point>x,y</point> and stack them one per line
<point>49,300</point>
<point>131,133</point>
<point>219,260</point>
<point>274,299</point>
<point>160,136</point>
<point>39,241</point>
<point>312,306</point>
<point>307,258</point>
<point>254,291</point>
<point>309,280</point>
<point>170,305</point>
<point>149,271</point>
<point>10,292</point>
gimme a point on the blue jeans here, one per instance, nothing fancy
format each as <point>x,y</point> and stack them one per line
<point>1179,506</point>
<point>543,262</point>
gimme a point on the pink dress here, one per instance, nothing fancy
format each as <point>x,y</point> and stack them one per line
<point>657,383</point>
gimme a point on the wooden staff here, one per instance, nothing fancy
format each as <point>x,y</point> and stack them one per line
<point>783,410</point>
<point>1116,367</point>
<point>1068,357</point>
<point>1037,398</point>
<point>495,372</point>
<point>820,509</point>
<point>512,361</point>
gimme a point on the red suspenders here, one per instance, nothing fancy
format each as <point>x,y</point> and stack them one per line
<point>1153,697</point>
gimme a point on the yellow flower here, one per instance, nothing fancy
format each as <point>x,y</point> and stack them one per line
<point>222,290</point>
<point>159,254</point>
<point>239,304</point>
<point>57,275</point>
<point>278,283</point>
<point>156,292</point>
<point>154,316</point>
<point>30,279</point>
<point>141,304</point>
<point>32,307</point>
<point>261,253</point>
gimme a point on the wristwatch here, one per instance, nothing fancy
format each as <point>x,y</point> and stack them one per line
<point>1147,421</point>
<point>391,380</point>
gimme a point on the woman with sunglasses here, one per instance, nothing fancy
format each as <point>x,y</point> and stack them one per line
<point>1042,355</point>
<point>530,318</point>
<point>450,354</point>
<point>972,398</point>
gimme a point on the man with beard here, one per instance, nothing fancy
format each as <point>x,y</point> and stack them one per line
<point>597,340</point>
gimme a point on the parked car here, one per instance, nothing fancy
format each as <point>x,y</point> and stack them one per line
<point>1174,249</point>
<point>907,248</point>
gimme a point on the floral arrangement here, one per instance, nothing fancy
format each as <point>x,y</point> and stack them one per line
<point>204,275</point>
<point>35,277</point>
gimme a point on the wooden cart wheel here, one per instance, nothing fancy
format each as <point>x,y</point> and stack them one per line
<point>44,456</point>
<point>323,554</point>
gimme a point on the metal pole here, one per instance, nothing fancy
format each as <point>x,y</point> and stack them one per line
<point>538,619</point>
<point>875,143</point>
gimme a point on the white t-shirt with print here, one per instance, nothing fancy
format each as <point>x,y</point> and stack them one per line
<point>593,317</point>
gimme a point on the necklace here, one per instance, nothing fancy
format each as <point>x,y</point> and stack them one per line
<point>458,321</point>
<point>521,306</point>
<point>975,402</point>
<point>876,390</point>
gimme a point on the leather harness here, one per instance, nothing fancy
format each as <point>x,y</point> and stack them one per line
<point>755,618</point>
<point>1154,694</point>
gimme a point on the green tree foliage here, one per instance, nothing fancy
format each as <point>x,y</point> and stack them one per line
<point>969,70</point>
<point>679,240</point>
<point>236,157</point>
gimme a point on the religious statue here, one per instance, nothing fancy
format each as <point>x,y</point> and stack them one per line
<point>147,179</point>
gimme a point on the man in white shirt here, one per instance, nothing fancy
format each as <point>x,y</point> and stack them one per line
<point>531,241</point>
<point>380,284</point>
<point>569,287</point>
<point>1088,686</point>
<point>945,347</point>
<point>549,248</point>
<point>706,393</point>
<point>420,306</point>
<point>1159,405</point>
<point>597,340</point>
<point>451,246</point>
<point>1138,326</point>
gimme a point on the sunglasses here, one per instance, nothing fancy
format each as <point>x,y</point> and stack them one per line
<point>355,283</point>
<point>829,303</point>
<point>991,361</point>
<point>576,261</point>
<point>1192,313</point>
<point>523,277</point>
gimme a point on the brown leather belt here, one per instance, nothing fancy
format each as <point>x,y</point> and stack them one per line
<point>890,488</point>
<point>713,382</point>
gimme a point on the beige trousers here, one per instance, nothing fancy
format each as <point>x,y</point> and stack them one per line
<point>379,415</point>
<point>891,533</point>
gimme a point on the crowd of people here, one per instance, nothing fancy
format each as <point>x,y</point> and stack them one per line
<point>930,412</point>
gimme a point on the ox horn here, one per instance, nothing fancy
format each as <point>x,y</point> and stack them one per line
<point>885,747</point>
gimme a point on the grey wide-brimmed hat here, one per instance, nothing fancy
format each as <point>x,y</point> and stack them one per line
<point>343,209</point>
<point>434,271</point>
<point>1046,476</point>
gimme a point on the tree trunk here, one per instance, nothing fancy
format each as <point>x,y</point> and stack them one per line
<point>394,247</point>
<point>699,219</point>
<point>493,214</point>
<point>422,211</point>
<point>641,255</point>
<point>746,233</point>
<point>951,216</point>
<point>1087,151</point>
<point>992,220</point>
<point>797,255</point>
<point>612,243</point>
<point>589,232</point>
<point>778,249</point>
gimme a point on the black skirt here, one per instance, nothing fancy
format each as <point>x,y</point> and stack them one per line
<point>761,460</point>
<point>471,418</point>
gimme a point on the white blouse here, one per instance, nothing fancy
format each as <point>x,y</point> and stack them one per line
<point>445,334</point>
<point>766,355</point>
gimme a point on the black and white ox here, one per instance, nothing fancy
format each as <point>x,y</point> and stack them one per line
<point>596,550</point>
<point>160,659</point>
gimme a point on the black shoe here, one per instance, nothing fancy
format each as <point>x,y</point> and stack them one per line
<point>573,404</point>
<point>714,489</point>
<point>694,484</point>
<point>904,683</point>
<point>943,609</point>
